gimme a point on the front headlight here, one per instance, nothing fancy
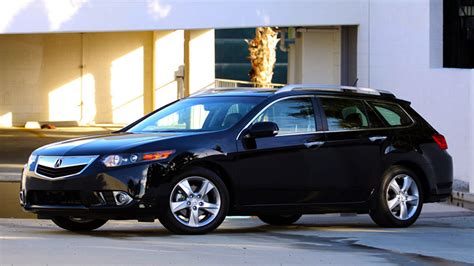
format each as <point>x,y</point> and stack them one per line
<point>31,160</point>
<point>127,159</point>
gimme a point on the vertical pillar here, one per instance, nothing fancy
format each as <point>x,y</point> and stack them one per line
<point>470,164</point>
<point>199,58</point>
<point>168,57</point>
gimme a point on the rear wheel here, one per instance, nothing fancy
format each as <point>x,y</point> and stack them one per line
<point>198,202</point>
<point>399,199</point>
<point>280,219</point>
<point>78,224</point>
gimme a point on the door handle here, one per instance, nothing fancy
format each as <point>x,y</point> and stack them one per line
<point>378,138</point>
<point>314,144</point>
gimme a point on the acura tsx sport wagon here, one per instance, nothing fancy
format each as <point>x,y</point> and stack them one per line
<point>273,153</point>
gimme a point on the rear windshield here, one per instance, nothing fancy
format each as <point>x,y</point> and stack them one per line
<point>198,114</point>
<point>393,114</point>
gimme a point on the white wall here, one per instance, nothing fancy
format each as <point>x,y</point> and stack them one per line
<point>28,16</point>
<point>405,56</point>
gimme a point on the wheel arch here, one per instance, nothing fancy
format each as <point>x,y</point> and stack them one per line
<point>420,173</point>
<point>221,172</point>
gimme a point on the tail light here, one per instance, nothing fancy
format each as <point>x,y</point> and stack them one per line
<point>441,141</point>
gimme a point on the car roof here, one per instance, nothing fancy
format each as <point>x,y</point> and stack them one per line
<point>295,89</point>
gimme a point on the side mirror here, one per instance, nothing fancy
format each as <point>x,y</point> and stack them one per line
<point>262,130</point>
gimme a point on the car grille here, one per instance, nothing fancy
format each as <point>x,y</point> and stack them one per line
<point>63,166</point>
<point>59,172</point>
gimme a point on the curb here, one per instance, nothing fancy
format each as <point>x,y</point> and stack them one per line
<point>10,177</point>
<point>463,196</point>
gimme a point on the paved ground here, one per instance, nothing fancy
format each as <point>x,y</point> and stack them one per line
<point>444,235</point>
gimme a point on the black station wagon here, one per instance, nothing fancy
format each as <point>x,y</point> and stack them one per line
<point>273,153</point>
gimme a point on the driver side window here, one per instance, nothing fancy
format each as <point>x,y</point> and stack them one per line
<point>293,116</point>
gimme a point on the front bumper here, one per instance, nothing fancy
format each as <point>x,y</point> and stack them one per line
<point>93,193</point>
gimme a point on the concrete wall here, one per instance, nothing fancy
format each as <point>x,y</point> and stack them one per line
<point>400,48</point>
<point>48,77</point>
<point>405,56</point>
<point>317,54</point>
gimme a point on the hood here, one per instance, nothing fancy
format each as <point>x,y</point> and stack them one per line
<point>104,144</point>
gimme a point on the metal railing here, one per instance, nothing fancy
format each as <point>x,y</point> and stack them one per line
<point>229,83</point>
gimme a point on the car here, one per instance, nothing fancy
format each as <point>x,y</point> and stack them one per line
<point>273,153</point>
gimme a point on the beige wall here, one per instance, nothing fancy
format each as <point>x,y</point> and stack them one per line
<point>199,58</point>
<point>316,57</point>
<point>167,61</point>
<point>41,77</point>
<point>99,78</point>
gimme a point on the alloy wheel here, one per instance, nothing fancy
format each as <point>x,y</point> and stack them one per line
<point>402,197</point>
<point>195,201</point>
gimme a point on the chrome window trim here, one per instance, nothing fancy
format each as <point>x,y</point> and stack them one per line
<point>413,122</point>
<point>268,106</point>
<point>83,160</point>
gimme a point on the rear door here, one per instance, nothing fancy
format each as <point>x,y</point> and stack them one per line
<point>352,151</point>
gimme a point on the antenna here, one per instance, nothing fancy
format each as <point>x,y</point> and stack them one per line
<point>355,82</point>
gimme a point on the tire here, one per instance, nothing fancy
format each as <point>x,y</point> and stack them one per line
<point>78,225</point>
<point>198,208</point>
<point>280,219</point>
<point>392,208</point>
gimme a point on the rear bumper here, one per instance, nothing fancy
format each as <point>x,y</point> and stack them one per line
<point>439,172</point>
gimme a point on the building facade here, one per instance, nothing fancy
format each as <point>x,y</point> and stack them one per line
<point>136,52</point>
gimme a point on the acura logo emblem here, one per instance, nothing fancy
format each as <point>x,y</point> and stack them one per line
<point>58,163</point>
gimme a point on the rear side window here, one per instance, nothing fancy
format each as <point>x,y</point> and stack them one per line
<point>344,114</point>
<point>392,114</point>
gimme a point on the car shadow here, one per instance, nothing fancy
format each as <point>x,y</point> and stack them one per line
<point>127,231</point>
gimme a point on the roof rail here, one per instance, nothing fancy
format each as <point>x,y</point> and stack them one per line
<point>334,88</point>
<point>229,89</point>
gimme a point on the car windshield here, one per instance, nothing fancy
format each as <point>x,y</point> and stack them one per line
<point>198,114</point>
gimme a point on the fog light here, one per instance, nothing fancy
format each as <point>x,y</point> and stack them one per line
<point>22,198</point>
<point>122,198</point>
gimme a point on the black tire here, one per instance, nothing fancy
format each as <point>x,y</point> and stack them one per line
<point>280,219</point>
<point>380,211</point>
<point>78,225</point>
<point>168,219</point>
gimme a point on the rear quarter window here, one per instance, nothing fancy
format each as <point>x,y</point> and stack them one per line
<point>393,114</point>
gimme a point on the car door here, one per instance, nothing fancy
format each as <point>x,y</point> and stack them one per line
<point>273,170</point>
<point>352,152</point>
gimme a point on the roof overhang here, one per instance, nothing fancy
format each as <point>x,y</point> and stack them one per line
<point>50,16</point>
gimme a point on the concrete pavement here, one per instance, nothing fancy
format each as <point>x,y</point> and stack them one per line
<point>443,235</point>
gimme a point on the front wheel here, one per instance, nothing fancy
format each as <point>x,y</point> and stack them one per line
<point>78,224</point>
<point>399,199</point>
<point>198,202</point>
<point>280,219</point>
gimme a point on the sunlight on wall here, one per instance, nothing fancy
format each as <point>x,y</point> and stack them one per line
<point>6,120</point>
<point>200,63</point>
<point>64,102</point>
<point>9,10</point>
<point>169,56</point>
<point>60,11</point>
<point>126,87</point>
<point>88,100</point>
